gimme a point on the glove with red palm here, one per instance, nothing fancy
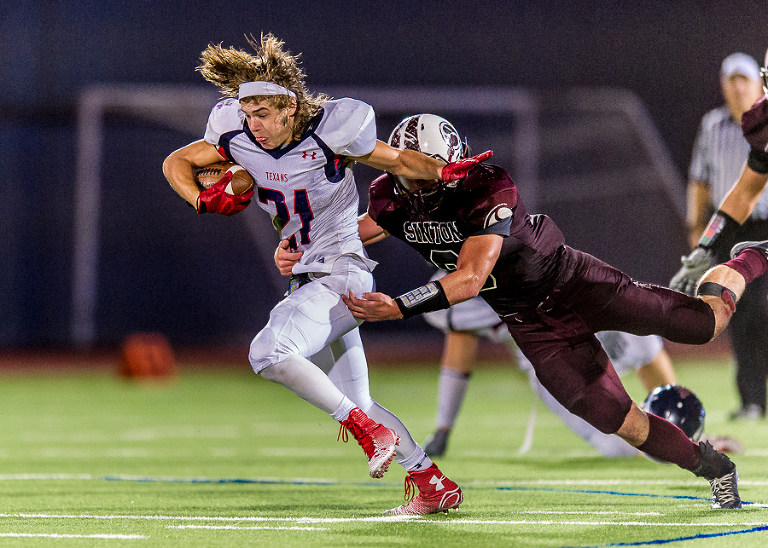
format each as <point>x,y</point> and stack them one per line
<point>216,200</point>
<point>459,169</point>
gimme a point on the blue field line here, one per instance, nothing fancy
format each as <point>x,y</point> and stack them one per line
<point>600,492</point>
<point>698,536</point>
<point>151,479</point>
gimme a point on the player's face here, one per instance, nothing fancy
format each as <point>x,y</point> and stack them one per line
<point>740,93</point>
<point>416,184</point>
<point>271,127</point>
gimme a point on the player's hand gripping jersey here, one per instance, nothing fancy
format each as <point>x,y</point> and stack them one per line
<point>484,202</point>
<point>307,186</point>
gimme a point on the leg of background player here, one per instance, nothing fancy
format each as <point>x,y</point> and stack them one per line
<point>659,371</point>
<point>459,354</point>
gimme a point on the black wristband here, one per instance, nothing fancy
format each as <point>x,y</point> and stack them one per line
<point>757,161</point>
<point>427,298</point>
<point>720,230</point>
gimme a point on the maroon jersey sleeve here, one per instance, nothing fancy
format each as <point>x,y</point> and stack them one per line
<point>381,197</point>
<point>490,201</point>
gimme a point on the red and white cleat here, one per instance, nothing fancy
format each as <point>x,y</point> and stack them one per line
<point>436,493</point>
<point>378,441</point>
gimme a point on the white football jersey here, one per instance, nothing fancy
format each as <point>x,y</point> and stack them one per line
<point>307,186</point>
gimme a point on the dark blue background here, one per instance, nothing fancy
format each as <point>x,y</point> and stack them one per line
<point>668,53</point>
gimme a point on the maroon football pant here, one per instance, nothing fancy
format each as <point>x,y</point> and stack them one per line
<point>558,336</point>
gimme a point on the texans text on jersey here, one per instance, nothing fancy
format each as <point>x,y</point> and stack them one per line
<point>281,177</point>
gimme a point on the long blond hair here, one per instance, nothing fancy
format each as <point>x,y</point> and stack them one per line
<point>227,68</point>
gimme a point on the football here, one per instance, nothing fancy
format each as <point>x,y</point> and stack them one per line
<point>209,175</point>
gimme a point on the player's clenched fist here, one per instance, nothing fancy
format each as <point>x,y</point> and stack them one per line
<point>217,200</point>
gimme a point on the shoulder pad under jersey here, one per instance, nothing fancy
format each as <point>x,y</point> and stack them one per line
<point>348,127</point>
<point>225,116</point>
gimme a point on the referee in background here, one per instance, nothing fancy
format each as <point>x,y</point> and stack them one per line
<point>719,154</point>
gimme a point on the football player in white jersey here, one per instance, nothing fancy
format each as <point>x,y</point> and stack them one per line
<point>299,149</point>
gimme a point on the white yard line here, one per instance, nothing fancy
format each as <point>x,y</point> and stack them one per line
<point>247,528</point>
<point>59,535</point>
<point>448,521</point>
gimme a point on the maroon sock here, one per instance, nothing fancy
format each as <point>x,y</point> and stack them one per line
<point>750,263</point>
<point>667,442</point>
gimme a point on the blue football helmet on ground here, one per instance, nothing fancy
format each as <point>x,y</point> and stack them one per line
<point>678,405</point>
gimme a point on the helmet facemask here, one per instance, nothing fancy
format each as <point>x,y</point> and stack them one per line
<point>764,73</point>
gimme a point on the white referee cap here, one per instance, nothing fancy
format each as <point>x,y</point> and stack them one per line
<point>740,63</point>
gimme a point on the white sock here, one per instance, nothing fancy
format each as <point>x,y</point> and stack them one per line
<point>451,388</point>
<point>307,381</point>
<point>407,450</point>
<point>342,411</point>
<point>418,460</point>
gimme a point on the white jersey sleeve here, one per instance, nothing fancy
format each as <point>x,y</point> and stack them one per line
<point>225,116</point>
<point>348,127</point>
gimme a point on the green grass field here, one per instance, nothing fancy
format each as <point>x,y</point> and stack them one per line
<point>227,459</point>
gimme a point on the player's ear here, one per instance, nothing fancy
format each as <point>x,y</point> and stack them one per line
<point>291,110</point>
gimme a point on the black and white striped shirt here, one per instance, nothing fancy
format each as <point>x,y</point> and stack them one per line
<point>719,155</point>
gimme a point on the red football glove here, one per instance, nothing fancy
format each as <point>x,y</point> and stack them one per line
<point>754,125</point>
<point>215,200</point>
<point>459,169</point>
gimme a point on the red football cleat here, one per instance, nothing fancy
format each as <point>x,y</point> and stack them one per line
<point>378,441</point>
<point>436,493</point>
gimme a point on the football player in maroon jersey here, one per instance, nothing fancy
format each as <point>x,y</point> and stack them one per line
<point>552,297</point>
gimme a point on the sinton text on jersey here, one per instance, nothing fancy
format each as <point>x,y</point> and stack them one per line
<point>432,232</point>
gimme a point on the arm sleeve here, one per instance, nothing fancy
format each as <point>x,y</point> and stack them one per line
<point>500,227</point>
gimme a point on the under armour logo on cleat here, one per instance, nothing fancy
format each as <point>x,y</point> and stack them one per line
<point>437,482</point>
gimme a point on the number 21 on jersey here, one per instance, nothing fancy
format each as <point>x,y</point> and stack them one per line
<point>282,214</point>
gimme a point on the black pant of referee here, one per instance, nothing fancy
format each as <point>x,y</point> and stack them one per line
<point>749,331</point>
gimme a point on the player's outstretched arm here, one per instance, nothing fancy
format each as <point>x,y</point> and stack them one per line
<point>415,165</point>
<point>743,196</point>
<point>476,259</point>
<point>737,205</point>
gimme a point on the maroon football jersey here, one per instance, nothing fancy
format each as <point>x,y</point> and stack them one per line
<point>485,202</point>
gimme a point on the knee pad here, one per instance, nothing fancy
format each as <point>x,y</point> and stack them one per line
<point>605,413</point>
<point>265,350</point>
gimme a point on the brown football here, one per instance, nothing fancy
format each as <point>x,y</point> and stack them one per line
<point>209,175</point>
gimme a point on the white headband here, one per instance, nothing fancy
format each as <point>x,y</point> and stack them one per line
<point>248,89</point>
